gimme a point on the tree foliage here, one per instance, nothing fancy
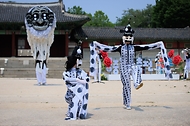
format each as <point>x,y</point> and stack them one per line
<point>99,19</point>
<point>76,10</point>
<point>165,14</point>
<point>137,18</point>
<point>171,13</point>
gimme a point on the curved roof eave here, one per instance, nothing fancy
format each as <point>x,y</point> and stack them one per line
<point>15,12</point>
<point>140,33</point>
<point>74,17</point>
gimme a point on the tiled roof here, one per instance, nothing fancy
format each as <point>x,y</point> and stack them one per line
<point>15,12</point>
<point>140,33</point>
<point>164,33</point>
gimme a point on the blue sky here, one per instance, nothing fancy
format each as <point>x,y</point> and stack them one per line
<point>112,8</point>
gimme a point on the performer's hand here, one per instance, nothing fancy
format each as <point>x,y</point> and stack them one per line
<point>81,81</point>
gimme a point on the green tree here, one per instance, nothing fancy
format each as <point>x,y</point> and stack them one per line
<point>76,10</point>
<point>137,18</point>
<point>100,19</point>
<point>171,13</point>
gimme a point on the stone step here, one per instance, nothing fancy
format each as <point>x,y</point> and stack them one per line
<point>29,63</point>
<point>30,73</point>
<point>25,67</point>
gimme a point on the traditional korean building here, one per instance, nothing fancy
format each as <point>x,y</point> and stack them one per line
<point>173,38</point>
<point>15,49</point>
<point>13,38</point>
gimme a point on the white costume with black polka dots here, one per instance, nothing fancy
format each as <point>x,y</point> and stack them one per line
<point>187,65</point>
<point>77,93</point>
<point>127,64</point>
<point>97,75</point>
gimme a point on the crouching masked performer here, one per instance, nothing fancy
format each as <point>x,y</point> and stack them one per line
<point>127,65</point>
<point>187,62</point>
<point>76,96</point>
<point>40,24</point>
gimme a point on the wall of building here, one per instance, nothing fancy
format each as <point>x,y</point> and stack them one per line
<point>58,46</point>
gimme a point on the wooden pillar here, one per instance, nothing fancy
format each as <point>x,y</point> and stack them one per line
<point>178,47</point>
<point>13,45</point>
<point>66,44</point>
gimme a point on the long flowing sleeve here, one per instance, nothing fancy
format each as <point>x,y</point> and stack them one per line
<point>152,46</point>
<point>68,79</point>
<point>83,78</point>
<point>100,46</point>
<point>163,51</point>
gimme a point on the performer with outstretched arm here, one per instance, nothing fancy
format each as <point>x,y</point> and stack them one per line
<point>127,65</point>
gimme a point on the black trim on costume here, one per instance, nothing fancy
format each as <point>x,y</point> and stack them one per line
<point>188,56</point>
<point>138,48</point>
<point>43,63</point>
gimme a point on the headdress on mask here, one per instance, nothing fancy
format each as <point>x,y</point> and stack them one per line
<point>127,34</point>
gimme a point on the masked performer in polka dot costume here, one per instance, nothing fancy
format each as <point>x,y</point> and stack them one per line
<point>40,24</point>
<point>187,62</point>
<point>127,65</point>
<point>76,81</point>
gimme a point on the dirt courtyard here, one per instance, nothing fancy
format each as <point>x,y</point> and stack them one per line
<point>157,103</point>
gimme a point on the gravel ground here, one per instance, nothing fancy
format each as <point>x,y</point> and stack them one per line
<point>157,103</point>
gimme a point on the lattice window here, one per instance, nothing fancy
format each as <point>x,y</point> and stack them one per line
<point>169,45</point>
<point>21,43</point>
<point>186,45</point>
